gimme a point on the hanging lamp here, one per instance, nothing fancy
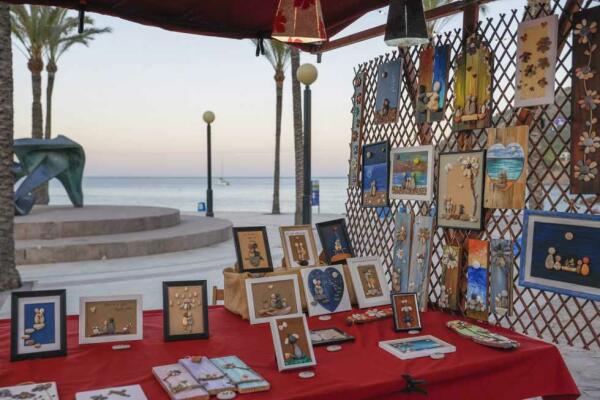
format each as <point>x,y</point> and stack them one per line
<point>406,24</point>
<point>299,21</point>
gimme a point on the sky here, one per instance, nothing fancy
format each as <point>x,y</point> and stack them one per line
<point>134,100</point>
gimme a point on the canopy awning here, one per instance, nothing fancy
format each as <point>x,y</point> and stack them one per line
<point>236,19</point>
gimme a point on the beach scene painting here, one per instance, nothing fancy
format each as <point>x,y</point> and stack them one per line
<point>433,83</point>
<point>387,98</point>
<point>401,252</point>
<point>476,303</point>
<point>501,265</point>
<point>411,176</point>
<point>506,167</point>
<point>420,259</point>
<point>375,175</point>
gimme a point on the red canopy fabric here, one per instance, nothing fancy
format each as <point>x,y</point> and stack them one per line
<point>237,19</point>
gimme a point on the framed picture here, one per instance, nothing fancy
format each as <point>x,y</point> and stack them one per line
<point>327,336</point>
<point>252,249</point>
<point>325,289</point>
<point>501,282</point>
<point>476,301</point>
<point>412,173</point>
<point>376,174</point>
<point>38,324</point>
<point>299,246</point>
<point>291,338</point>
<point>415,347</point>
<point>110,319</point>
<point>433,83</point>
<point>369,281</point>
<point>43,391</point>
<point>335,241</point>
<point>133,392</point>
<point>406,312</point>
<point>272,296</point>
<point>387,97</point>
<point>460,190</point>
<point>560,253</point>
<point>185,310</point>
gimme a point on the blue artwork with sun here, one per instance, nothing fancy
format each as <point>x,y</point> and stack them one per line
<point>375,175</point>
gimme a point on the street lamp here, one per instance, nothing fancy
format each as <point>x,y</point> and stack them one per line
<point>307,74</point>
<point>209,118</point>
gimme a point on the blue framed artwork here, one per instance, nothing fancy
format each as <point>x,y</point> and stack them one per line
<point>375,175</point>
<point>387,98</point>
<point>325,289</point>
<point>401,255</point>
<point>561,253</point>
<point>335,241</point>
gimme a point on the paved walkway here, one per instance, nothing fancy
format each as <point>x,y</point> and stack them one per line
<point>144,275</point>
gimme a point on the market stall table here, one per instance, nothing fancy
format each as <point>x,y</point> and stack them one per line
<point>361,370</point>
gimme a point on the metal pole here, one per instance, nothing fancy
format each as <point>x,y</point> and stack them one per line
<point>306,206</point>
<point>209,193</point>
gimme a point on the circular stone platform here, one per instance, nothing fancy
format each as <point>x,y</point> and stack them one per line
<point>65,234</point>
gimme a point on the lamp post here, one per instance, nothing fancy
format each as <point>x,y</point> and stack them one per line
<point>307,74</point>
<point>209,118</point>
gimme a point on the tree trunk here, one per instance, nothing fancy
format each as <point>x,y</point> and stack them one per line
<point>37,127</point>
<point>9,276</point>
<point>279,78</point>
<point>298,138</point>
<point>51,68</point>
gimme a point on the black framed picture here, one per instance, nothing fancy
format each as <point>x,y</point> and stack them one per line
<point>185,310</point>
<point>327,336</point>
<point>335,241</point>
<point>376,174</point>
<point>38,324</point>
<point>252,249</point>
<point>406,312</point>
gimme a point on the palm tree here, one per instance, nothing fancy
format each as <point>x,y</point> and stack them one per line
<point>62,34</point>
<point>9,276</point>
<point>278,55</point>
<point>298,137</point>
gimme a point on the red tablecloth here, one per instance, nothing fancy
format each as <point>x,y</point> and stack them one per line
<point>360,371</point>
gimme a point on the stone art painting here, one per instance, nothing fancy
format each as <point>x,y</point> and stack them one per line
<point>450,279</point>
<point>35,391</point>
<point>387,98</point>
<point>420,260</point>
<point>375,175</point>
<point>401,252</point>
<point>411,175</point>
<point>501,265</point>
<point>433,83</point>
<point>358,109</point>
<point>536,61</point>
<point>325,289</point>
<point>476,301</point>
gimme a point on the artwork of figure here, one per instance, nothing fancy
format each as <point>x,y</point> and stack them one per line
<point>389,79</point>
<point>325,289</point>
<point>450,279</point>
<point>370,281</point>
<point>39,326</point>
<point>420,260</point>
<point>412,173</point>
<point>291,338</point>
<point>36,391</point>
<point>433,83</point>
<point>476,303</point>
<point>252,249</point>
<point>111,318</point>
<point>501,257</point>
<point>401,252</point>
<point>473,86</point>
<point>358,108</point>
<point>335,241</point>
<point>375,175</point>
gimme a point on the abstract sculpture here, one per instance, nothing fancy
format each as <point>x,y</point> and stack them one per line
<point>41,160</point>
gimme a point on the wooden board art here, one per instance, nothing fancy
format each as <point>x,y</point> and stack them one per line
<point>433,83</point>
<point>358,108</point>
<point>387,100</point>
<point>476,302</point>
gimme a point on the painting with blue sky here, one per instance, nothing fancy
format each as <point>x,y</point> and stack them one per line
<point>476,303</point>
<point>387,99</point>
<point>375,175</point>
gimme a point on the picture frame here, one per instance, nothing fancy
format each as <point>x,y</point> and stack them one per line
<point>416,347</point>
<point>376,175</point>
<point>368,278</point>
<point>411,173</point>
<point>327,336</point>
<point>558,252</point>
<point>132,392</point>
<point>292,337</point>
<point>38,324</point>
<point>252,249</point>
<point>460,208</point>
<point>299,246</point>
<point>106,319</point>
<point>272,296</point>
<point>335,241</point>
<point>185,310</point>
<point>406,313</point>
<point>325,290</point>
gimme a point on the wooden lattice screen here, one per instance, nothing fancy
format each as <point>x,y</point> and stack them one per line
<point>560,318</point>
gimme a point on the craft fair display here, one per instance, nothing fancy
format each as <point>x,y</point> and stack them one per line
<point>416,347</point>
<point>34,391</point>
<point>299,246</point>
<point>110,319</point>
<point>473,86</point>
<point>411,175</point>
<point>245,378</point>
<point>133,392</point>
<point>358,109</point>
<point>291,339</point>
<point>476,301</point>
<point>420,259</point>
<point>369,282</point>
<point>401,251</point>
<point>451,277</point>
<point>325,289</point>
<point>335,241</point>
<point>185,310</point>
<point>272,296</point>
<point>585,114</point>
<point>506,167</point>
<point>501,282</point>
<point>252,249</point>
<point>406,312</point>
<point>38,324</point>
<point>210,377</point>
<point>536,61</point>
<point>387,98</point>
<point>460,190</point>
<point>481,335</point>
<point>376,174</point>
<point>433,83</point>
<point>371,315</point>
<point>178,383</point>
<point>327,336</point>
<point>561,253</point>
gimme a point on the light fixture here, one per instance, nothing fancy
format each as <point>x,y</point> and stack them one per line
<point>208,117</point>
<point>307,74</point>
<point>406,24</point>
<point>299,21</point>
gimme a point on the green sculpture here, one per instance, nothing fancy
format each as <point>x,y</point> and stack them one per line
<point>41,160</point>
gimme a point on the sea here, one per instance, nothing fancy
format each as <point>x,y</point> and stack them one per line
<point>229,194</point>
